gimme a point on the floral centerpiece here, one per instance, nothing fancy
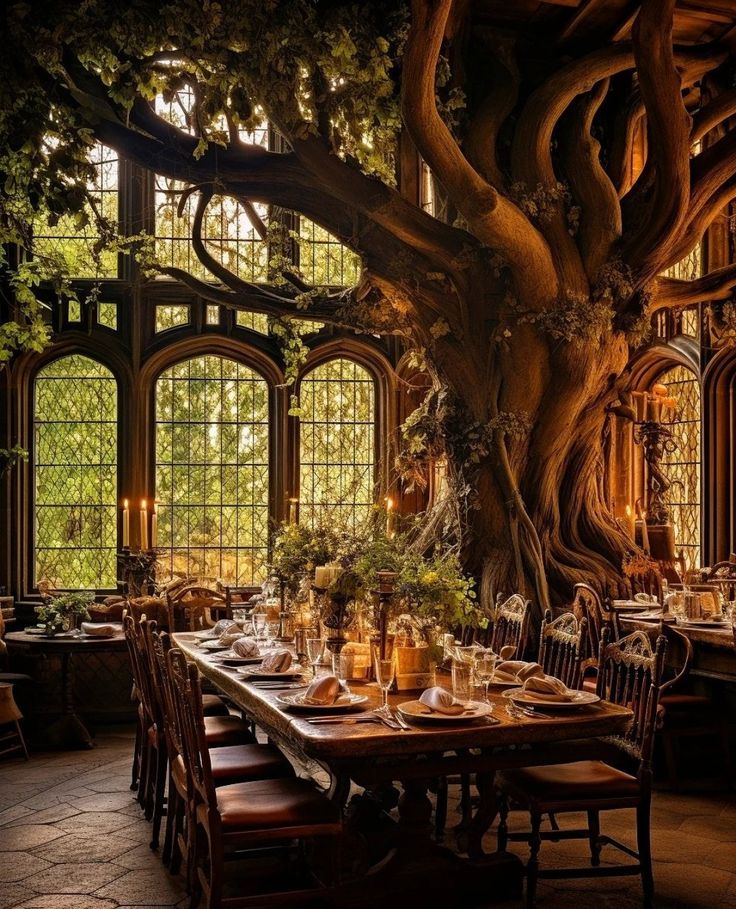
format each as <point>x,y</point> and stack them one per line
<point>64,611</point>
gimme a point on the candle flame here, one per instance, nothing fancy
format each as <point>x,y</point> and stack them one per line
<point>389,503</point>
<point>125,504</point>
<point>155,507</point>
<point>143,504</point>
<point>628,511</point>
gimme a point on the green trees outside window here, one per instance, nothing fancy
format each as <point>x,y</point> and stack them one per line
<point>212,471</point>
<point>75,474</point>
<point>337,444</point>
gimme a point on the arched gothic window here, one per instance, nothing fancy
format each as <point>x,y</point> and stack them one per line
<point>337,444</point>
<point>682,466</point>
<point>75,474</point>
<point>212,469</point>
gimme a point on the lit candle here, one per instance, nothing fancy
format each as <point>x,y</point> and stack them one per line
<point>126,524</point>
<point>321,576</point>
<point>154,526</point>
<point>292,510</point>
<point>144,526</point>
<point>630,521</point>
<point>390,517</point>
<point>644,533</point>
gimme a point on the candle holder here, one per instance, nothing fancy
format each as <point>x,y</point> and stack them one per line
<point>656,441</point>
<point>137,571</point>
<point>337,613</point>
<point>286,617</point>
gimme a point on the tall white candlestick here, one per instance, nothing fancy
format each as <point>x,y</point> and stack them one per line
<point>390,517</point>
<point>154,526</point>
<point>126,524</point>
<point>292,510</point>
<point>144,525</point>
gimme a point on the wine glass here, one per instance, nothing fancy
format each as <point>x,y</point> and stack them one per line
<point>272,630</point>
<point>315,648</point>
<point>342,667</point>
<point>259,624</point>
<point>485,668</point>
<point>385,670</point>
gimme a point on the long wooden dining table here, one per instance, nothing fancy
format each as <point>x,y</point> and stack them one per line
<point>374,757</point>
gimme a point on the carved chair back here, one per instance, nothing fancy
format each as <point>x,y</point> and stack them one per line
<point>141,676</point>
<point>630,674</point>
<point>588,605</point>
<point>187,690</point>
<point>192,607</point>
<point>510,621</point>
<point>561,645</point>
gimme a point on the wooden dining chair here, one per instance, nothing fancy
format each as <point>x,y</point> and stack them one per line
<point>230,764</point>
<point>243,816</point>
<point>510,624</point>
<point>588,605</point>
<point>194,606</point>
<point>629,674</point>
<point>561,643</point>
<point>684,714</point>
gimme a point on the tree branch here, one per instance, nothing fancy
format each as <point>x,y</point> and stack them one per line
<point>600,224</point>
<point>699,222</point>
<point>625,125</point>
<point>668,132</point>
<point>707,118</point>
<point>482,136</point>
<point>671,292</point>
<point>494,219</point>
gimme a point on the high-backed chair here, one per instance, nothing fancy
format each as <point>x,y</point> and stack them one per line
<point>586,604</point>
<point>561,643</point>
<point>630,672</point>
<point>221,729</point>
<point>242,816</point>
<point>191,607</point>
<point>510,624</point>
<point>230,764</point>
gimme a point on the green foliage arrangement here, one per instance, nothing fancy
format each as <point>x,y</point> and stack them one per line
<point>59,613</point>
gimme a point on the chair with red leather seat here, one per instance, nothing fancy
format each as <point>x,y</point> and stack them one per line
<point>230,764</point>
<point>234,819</point>
<point>630,673</point>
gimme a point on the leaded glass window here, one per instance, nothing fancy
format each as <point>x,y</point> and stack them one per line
<point>212,477</point>
<point>73,245</point>
<point>75,474</point>
<point>682,466</point>
<point>255,321</point>
<point>337,444</point>
<point>172,315</point>
<point>323,260</point>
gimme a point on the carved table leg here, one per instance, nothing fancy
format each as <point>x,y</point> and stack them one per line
<point>68,732</point>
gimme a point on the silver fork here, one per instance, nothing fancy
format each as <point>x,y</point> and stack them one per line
<point>399,719</point>
<point>385,715</point>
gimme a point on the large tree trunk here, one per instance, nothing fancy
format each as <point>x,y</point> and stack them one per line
<point>534,509</point>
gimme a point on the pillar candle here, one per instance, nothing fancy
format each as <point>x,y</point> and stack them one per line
<point>144,525</point>
<point>390,517</point>
<point>126,524</point>
<point>321,576</point>
<point>154,526</point>
<point>292,510</point>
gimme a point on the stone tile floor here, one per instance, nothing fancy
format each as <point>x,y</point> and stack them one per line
<point>72,837</point>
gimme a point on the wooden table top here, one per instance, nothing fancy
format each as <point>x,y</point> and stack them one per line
<point>715,637</point>
<point>61,642</point>
<point>364,740</point>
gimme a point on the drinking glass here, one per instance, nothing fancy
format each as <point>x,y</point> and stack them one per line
<point>485,667</point>
<point>343,665</point>
<point>315,648</point>
<point>259,624</point>
<point>385,671</point>
<point>461,679</point>
<point>272,630</point>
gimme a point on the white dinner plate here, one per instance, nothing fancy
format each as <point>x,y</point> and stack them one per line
<point>498,684</point>
<point>213,645</point>
<point>257,674</point>
<point>705,623</point>
<point>344,702</point>
<point>415,710</point>
<point>232,659</point>
<point>205,635</point>
<point>528,699</point>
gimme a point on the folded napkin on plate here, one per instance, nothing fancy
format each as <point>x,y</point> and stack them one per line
<point>231,636</point>
<point>221,627</point>
<point>507,651</point>
<point>548,688</point>
<point>96,629</point>
<point>440,701</point>
<point>323,691</point>
<point>516,671</point>
<point>278,661</point>
<point>245,647</point>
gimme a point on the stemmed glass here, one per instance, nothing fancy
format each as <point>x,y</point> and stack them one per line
<point>259,624</point>
<point>485,668</point>
<point>315,648</point>
<point>385,671</point>
<point>272,629</point>
<point>341,668</point>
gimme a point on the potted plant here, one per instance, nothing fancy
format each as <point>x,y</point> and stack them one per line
<point>65,611</point>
